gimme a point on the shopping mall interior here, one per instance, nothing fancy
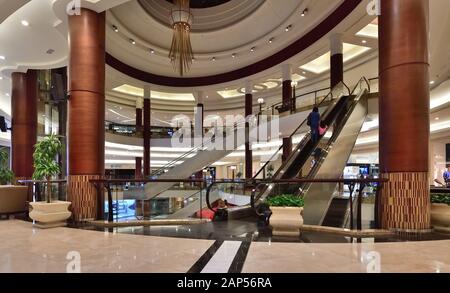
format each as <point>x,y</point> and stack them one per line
<point>225,136</point>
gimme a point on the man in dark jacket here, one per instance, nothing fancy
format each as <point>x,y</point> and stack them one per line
<point>314,121</point>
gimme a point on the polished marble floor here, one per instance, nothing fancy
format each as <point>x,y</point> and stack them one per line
<point>396,257</point>
<point>27,249</point>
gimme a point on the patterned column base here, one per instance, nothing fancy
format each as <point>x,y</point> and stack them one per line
<point>405,202</point>
<point>83,196</point>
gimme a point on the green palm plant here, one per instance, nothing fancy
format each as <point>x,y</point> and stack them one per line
<point>6,175</point>
<point>45,165</point>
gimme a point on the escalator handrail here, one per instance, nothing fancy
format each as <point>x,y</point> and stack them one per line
<point>363,79</point>
<point>332,140</point>
<point>302,142</point>
<point>185,155</point>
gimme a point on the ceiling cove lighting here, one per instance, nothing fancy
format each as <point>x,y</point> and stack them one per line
<point>369,31</point>
<point>228,94</point>
<point>139,92</point>
<point>322,63</point>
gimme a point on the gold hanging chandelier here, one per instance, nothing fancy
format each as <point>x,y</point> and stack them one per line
<point>181,54</point>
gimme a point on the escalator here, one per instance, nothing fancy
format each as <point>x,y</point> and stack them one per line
<point>203,155</point>
<point>330,107</point>
<point>345,118</point>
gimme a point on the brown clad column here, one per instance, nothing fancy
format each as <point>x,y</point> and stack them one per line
<point>287,87</point>
<point>147,131</point>
<point>139,106</point>
<point>248,112</point>
<point>404,114</point>
<point>24,123</point>
<point>287,102</point>
<point>86,110</point>
<point>138,168</point>
<point>336,60</point>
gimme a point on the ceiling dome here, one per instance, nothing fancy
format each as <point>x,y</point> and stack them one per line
<point>200,4</point>
<point>213,15</point>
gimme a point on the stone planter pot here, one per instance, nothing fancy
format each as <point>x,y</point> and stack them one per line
<point>286,221</point>
<point>50,215</point>
<point>440,217</point>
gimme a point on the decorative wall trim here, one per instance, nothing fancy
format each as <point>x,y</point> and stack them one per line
<point>405,201</point>
<point>83,196</point>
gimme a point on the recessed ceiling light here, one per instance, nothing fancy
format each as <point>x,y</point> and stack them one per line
<point>253,49</point>
<point>115,28</point>
<point>437,118</point>
<point>133,41</point>
<point>304,12</point>
<point>50,51</point>
<point>271,40</point>
<point>2,57</point>
<point>364,41</point>
<point>25,23</point>
<point>7,95</point>
<point>213,59</point>
<point>1,77</point>
<point>432,82</point>
<point>233,55</point>
<point>152,51</point>
<point>207,97</point>
<point>288,28</point>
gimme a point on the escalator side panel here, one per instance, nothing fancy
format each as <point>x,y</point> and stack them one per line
<point>319,196</point>
<point>300,158</point>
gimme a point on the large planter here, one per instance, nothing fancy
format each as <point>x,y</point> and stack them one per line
<point>13,199</point>
<point>286,221</point>
<point>50,215</point>
<point>440,216</point>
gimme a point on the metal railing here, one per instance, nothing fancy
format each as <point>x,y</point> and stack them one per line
<point>257,185</point>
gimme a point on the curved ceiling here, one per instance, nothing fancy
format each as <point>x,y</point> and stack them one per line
<point>210,18</point>
<point>199,4</point>
<point>272,27</point>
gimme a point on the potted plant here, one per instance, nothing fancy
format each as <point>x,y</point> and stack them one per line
<point>13,199</point>
<point>440,211</point>
<point>6,175</point>
<point>50,213</point>
<point>287,210</point>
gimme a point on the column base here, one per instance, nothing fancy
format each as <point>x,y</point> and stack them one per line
<point>83,196</point>
<point>405,202</point>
